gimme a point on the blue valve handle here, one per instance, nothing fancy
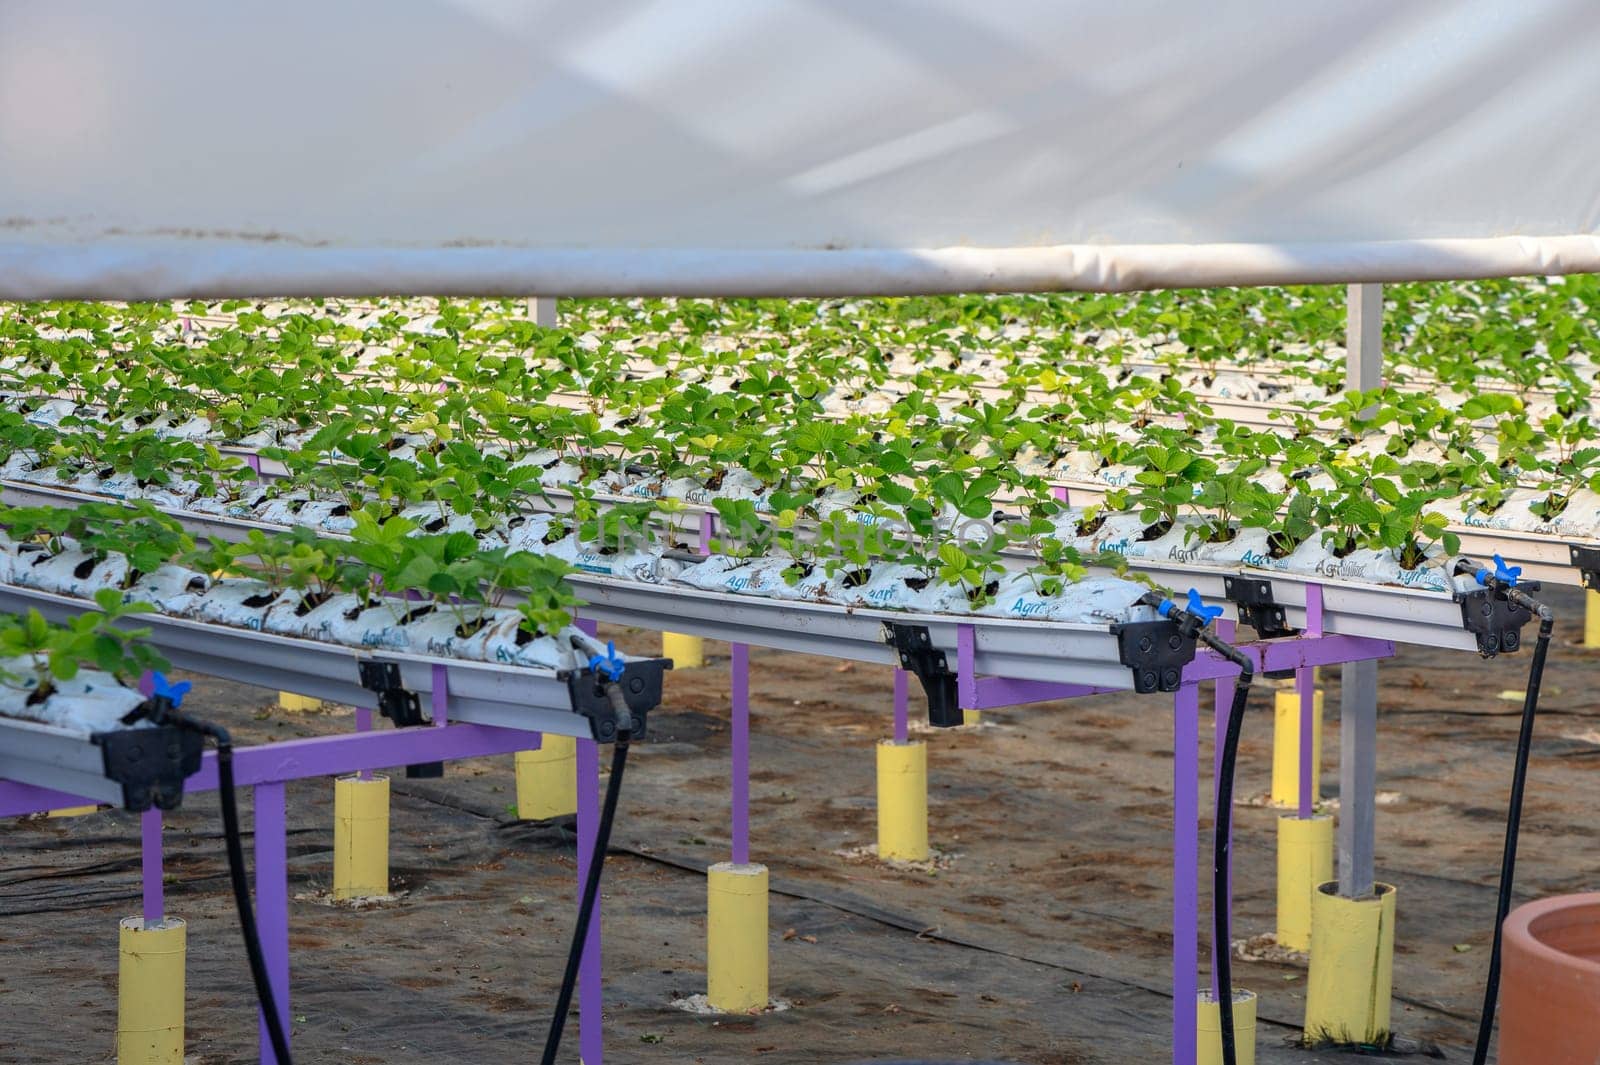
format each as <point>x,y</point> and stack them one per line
<point>161,688</point>
<point>1507,575</point>
<point>1195,607</point>
<point>609,664</point>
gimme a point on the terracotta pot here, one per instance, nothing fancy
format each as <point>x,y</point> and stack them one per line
<point>1550,983</point>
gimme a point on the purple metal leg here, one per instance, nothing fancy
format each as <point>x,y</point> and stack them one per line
<point>1185,868</point>
<point>966,673</point>
<point>902,706</point>
<point>150,871</point>
<point>440,697</point>
<point>1306,687</point>
<point>590,1035</point>
<point>1225,688</point>
<point>740,741</point>
<point>272,903</point>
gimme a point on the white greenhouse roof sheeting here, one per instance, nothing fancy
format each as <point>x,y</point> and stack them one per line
<point>811,147</point>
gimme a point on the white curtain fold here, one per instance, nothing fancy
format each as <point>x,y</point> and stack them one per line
<point>809,147</point>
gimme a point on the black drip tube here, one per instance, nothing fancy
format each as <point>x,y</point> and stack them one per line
<point>1222,843</point>
<point>591,886</point>
<point>161,710</point>
<point>1519,779</point>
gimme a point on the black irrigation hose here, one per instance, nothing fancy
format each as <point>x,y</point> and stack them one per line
<point>1222,945</point>
<point>241,896</point>
<point>1508,857</point>
<point>591,891</point>
<point>241,886</point>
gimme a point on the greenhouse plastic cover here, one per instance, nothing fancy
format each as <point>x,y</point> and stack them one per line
<point>806,147</point>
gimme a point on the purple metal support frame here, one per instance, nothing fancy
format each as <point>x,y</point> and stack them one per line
<point>1185,868</point>
<point>272,903</point>
<point>1305,686</point>
<point>740,742</point>
<point>150,867</point>
<point>590,995</point>
<point>1300,654</point>
<point>976,692</point>
<point>902,705</point>
<point>266,769</point>
<point>364,724</point>
<point>441,697</point>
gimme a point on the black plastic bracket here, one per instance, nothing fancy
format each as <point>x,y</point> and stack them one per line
<point>1587,561</point>
<point>1156,651</point>
<point>399,705</point>
<point>151,764</point>
<point>640,682</point>
<point>1253,597</point>
<point>919,656</point>
<point>394,701</point>
<point>1494,619</point>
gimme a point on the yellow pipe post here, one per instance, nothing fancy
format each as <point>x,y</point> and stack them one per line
<point>972,717</point>
<point>1208,1019</point>
<point>547,779</point>
<point>686,652</point>
<point>72,811</point>
<point>1352,966</point>
<point>298,704</point>
<point>1305,859</point>
<point>1286,747</point>
<point>360,837</point>
<point>736,937</point>
<point>1591,618</point>
<point>150,979</point>
<point>903,801</point>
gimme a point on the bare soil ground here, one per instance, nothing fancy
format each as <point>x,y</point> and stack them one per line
<point>1044,939</point>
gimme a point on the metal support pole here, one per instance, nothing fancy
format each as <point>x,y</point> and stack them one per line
<point>1185,868</point>
<point>1358,706</point>
<point>542,309</point>
<point>272,903</point>
<point>740,742</point>
<point>1358,778</point>
<point>590,997</point>
<point>1364,338</point>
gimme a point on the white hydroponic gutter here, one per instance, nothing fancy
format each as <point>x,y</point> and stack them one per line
<point>1423,616</point>
<point>1544,547</point>
<point>484,693</point>
<point>51,742</point>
